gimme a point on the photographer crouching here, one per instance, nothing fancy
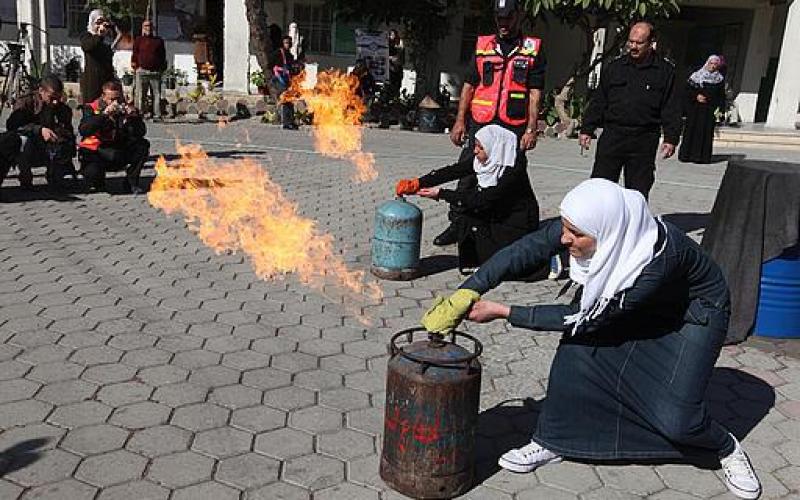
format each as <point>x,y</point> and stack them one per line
<point>112,139</point>
<point>42,124</point>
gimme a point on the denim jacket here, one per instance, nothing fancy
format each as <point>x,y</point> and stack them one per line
<point>681,284</point>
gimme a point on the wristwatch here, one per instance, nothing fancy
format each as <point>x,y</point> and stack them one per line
<point>529,130</point>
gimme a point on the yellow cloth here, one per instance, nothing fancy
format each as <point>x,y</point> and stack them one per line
<point>445,315</point>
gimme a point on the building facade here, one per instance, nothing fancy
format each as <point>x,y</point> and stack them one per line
<point>756,37</point>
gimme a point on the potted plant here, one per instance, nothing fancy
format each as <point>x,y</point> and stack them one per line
<point>258,79</point>
<point>406,109</point>
<point>170,78</point>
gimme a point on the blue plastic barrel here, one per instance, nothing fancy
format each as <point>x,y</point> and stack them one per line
<point>396,240</point>
<point>778,312</point>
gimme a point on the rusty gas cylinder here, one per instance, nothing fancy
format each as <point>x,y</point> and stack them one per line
<point>432,392</point>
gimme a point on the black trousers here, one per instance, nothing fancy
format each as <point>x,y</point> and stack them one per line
<point>9,148</point>
<point>633,151</point>
<point>130,157</point>
<point>55,156</point>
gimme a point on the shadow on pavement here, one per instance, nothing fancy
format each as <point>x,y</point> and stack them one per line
<point>21,455</point>
<point>233,153</point>
<point>736,399</point>
<point>688,221</point>
<point>507,425</point>
<point>727,157</point>
<point>435,264</point>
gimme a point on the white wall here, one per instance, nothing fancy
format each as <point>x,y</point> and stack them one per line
<point>786,93</point>
<point>756,60</point>
<point>236,46</point>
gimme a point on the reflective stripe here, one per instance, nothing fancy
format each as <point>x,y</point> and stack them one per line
<point>516,95</point>
<point>482,102</point>
<point>484,52</point>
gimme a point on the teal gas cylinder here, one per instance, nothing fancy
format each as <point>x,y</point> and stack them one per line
<point>396,240</point>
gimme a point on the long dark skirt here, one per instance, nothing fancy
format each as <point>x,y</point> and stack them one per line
<point>698,135</point>
<point>641,399</point>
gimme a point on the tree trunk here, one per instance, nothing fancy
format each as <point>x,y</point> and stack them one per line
<point>259,32</point>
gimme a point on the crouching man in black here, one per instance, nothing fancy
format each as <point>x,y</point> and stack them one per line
<point>41,129</point>
<point>112,139</point>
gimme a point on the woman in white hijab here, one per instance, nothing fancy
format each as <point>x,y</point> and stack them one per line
<point>499,210</point>
<point>98,55</point>
<point>640,337</point>
<point>705,93</point>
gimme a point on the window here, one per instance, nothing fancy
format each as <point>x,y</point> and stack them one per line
<point>314,22</point>
<point>56,17</point>
<point>345,37</point>
<point>77,17</point>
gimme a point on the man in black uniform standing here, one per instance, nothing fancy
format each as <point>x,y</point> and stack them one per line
<point>504,87</point>
<point>636,99</point>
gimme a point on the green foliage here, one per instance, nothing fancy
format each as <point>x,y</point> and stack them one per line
<point>258,79</point>
<point>589,15</point>
<point>425,23</point>
<point>117,9</point>
<point>622,11</point>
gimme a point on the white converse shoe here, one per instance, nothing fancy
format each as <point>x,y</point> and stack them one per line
<point>527,458</point>
<point>740,478</point>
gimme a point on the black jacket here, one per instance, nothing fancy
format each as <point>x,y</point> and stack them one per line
<point>494,217</point>
<point>31,114</point>
<point>639,97</point>
<point>681,284</point>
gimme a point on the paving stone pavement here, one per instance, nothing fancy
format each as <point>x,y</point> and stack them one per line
<point>135,363</point>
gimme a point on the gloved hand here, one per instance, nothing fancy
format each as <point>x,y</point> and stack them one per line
<point>445,315</point>
<point>406,186</point>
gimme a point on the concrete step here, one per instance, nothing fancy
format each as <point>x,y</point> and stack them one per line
<point>787,140</point>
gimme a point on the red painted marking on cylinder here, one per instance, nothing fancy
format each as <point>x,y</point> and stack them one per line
<point>425,433</point>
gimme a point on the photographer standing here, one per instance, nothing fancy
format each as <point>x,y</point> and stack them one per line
<point>98,55</point>
<point>113,139</point>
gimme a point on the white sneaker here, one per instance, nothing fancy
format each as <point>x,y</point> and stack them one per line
<point>527,458</point>
<point>740,478</point>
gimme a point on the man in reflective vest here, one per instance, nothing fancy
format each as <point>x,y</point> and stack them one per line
<point>504,87</point>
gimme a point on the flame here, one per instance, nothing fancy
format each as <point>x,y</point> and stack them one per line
<point>235,206</point>
<point>337,111</point>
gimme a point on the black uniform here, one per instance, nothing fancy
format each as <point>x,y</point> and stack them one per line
<point>633,103</point>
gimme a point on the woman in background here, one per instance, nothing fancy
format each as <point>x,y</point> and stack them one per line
<point>705,93</point>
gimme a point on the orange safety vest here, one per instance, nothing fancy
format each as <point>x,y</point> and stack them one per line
<point>91,142</point>
<point>502,90</point>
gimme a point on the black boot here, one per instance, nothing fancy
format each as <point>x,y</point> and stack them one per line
<point>447,237</point>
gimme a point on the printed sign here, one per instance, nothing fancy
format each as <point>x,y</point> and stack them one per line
<point>373,48</point>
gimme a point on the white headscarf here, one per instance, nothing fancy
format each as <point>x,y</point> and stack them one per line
<point>703,76</point>
<point>93,17</point>
<point>625,230</point>
<point>501,146</point>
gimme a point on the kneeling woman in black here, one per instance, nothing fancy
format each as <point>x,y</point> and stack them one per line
<point>501,207</point>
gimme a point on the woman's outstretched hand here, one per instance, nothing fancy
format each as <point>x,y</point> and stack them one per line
<point>484,311</point>
<point>432,193</point>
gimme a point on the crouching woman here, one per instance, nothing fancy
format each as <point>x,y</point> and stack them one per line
<point>641,336</point>
<point>499,208</point>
